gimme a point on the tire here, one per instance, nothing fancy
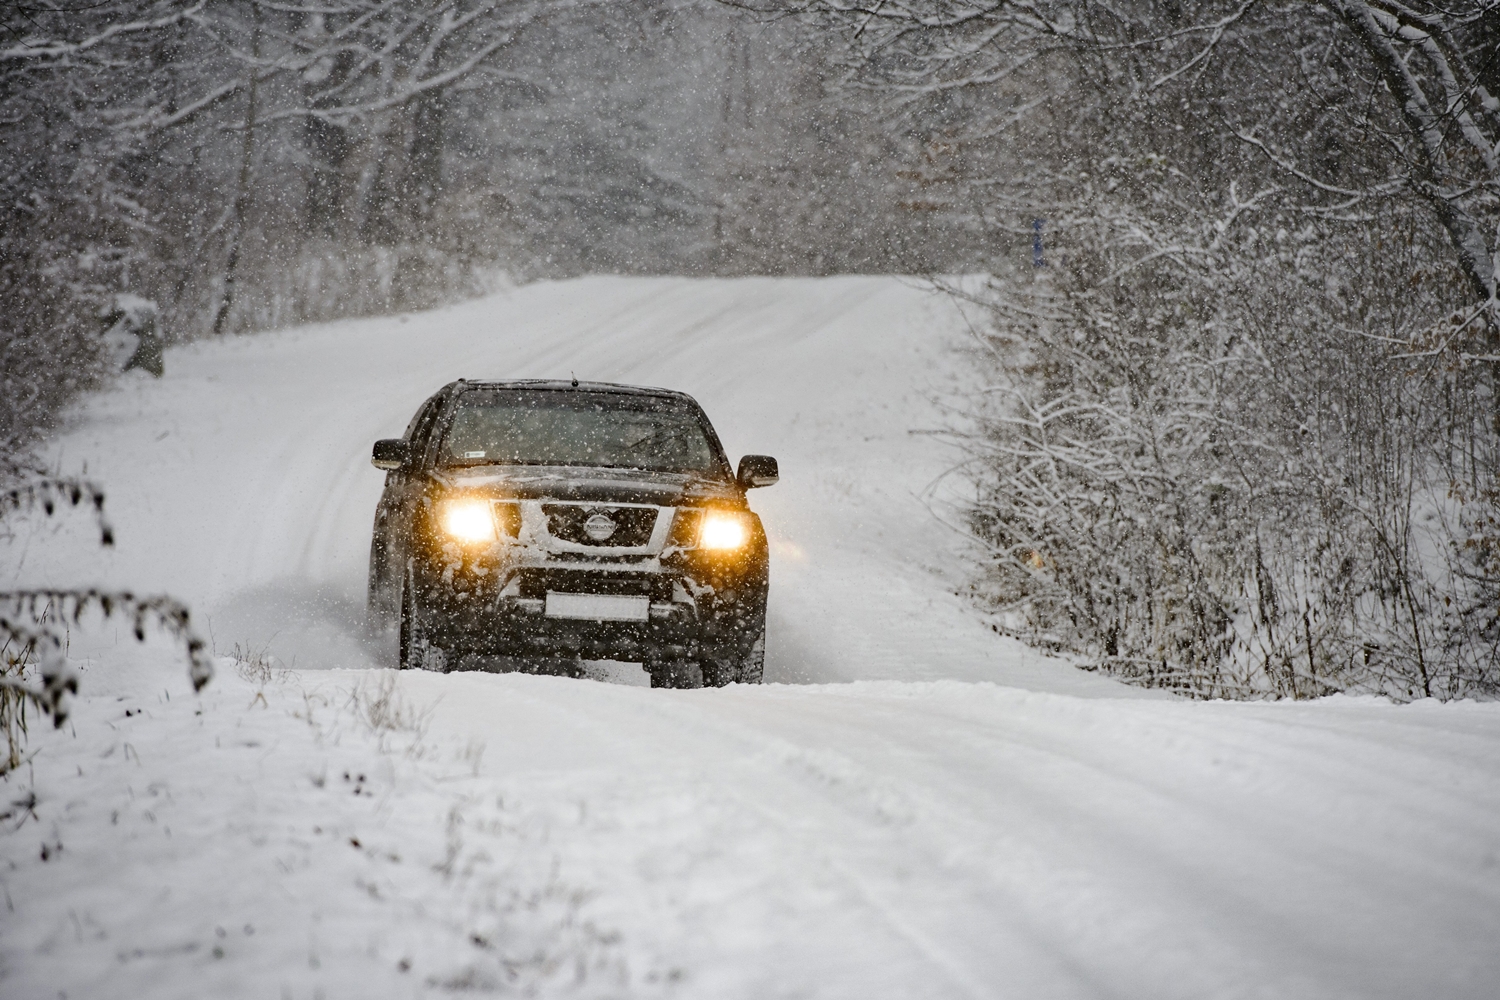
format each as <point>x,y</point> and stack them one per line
<point>675,674</point>
<point>753,663</point>
<point>383,599</point>
<point>746,669</point>
<point>717,673</point>
<point>415,650</point>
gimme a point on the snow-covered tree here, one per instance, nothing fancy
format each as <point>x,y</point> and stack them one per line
<point>1239,435</point>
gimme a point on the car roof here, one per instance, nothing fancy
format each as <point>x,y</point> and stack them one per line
<point>566,385</point>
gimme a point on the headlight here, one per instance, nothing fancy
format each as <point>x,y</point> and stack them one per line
<point>723,529</point>
<point>468,520</point>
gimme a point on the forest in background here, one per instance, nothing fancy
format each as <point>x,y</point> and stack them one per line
<point>1239,429</point>
<point>247,165</point>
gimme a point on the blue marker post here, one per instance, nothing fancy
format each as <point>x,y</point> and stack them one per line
<point>1036,243</point>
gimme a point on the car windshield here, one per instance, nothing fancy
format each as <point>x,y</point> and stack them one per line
<point>601,429</point>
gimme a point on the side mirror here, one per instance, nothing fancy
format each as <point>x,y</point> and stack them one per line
<point>390,453</point>
<point>757,470</point>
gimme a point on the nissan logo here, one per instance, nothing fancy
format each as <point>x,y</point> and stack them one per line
<point>599,527</point>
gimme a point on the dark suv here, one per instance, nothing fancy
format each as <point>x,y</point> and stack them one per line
<point>549,522</point>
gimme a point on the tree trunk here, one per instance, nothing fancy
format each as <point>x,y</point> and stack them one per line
<point>242,189</point>
<point>424,158</point>
<point>326,141</point>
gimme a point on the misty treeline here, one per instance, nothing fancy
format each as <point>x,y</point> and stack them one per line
<point>1238,432</point>
<point>246,164</point>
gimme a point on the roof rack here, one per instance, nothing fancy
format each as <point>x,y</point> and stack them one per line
<point>568,385</point>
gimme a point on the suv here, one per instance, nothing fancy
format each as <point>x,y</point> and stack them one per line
<point>558,521</point>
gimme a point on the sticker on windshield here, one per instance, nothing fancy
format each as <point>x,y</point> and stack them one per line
<point>473,454</point>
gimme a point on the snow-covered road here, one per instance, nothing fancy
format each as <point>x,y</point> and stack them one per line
<point>919,809</point>
<point>242,480</point>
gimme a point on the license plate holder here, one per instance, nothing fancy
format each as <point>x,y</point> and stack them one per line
<point>598,607</point>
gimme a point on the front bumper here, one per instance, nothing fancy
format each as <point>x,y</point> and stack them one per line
<point>521,627</point>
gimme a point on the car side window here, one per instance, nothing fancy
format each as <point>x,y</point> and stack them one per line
<point>423,417</point>
<point>420,427</point>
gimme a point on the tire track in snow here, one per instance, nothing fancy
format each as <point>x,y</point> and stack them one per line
<point>1050,843</point>
<point>754,768</point>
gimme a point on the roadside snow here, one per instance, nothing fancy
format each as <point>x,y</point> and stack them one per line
<point>967,818</point>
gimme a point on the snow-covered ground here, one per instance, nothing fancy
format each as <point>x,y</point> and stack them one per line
<point>918,809</point>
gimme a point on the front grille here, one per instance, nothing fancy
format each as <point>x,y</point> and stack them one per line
<point>685,527</point>
<point>537,583</point>
<point>508,516</point>
<point>601,524</point>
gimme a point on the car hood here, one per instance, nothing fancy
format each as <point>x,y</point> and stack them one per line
<point>532,482</point>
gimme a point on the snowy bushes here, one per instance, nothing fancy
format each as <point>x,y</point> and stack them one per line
<point>1240,433</point>
<point>35,622</point>
<point>1212,478</point>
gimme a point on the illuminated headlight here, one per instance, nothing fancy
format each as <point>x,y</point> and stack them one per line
<point>723,529</point>
<point>468,520</point>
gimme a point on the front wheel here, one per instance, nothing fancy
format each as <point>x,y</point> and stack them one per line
<point>744,669</point>
<point>383,600</point>
<point>416,651</point>
<point>753,663</point>
<point>675,674</point>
